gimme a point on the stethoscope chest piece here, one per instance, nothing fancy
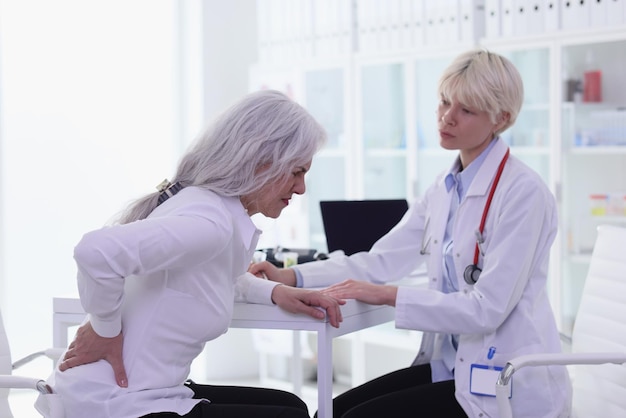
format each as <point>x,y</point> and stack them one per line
<point>471,274</point>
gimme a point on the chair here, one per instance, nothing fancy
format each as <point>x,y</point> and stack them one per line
<point>598,337</point>
<point>9,381</point>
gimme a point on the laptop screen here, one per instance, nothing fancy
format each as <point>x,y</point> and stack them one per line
<point>355,225</point>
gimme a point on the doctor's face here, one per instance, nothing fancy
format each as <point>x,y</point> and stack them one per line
<point>464,128</point>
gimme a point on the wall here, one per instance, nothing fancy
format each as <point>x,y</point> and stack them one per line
<point>88,123</point>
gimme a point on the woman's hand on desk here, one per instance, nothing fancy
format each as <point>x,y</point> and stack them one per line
<point>374,294</point>
<point>267,270</point>
<point>89,347</point>
<point>308,302</point>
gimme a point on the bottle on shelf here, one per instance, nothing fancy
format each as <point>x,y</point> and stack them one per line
<point>592,81</point>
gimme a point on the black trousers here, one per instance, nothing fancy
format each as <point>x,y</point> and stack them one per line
<point>239,402</point>
<point>405,393</point>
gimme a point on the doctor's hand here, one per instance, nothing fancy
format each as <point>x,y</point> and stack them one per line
<point>308,302</point>
<point>374,294</point>
<point>267,270</point>
<point>89,347</point>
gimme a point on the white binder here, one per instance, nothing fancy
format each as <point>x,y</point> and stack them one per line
<point>534,17</point>
<point>417,22</point>
<point>493,19</point>
<point>521,17</point>
<point>616,12</point>
<point>450,22</point>
<point>598,13</point>
<point>507,10</point>
<point>551,15</point>
<point>574,14</point>
<point>471,20</point>
<point>431,17</point>
<point>366,16</point>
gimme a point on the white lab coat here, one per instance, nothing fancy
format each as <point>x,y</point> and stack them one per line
<point>507,309</point>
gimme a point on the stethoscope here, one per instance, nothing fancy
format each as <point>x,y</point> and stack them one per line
<point>472,272</point>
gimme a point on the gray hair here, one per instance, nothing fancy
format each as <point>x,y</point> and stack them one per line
<point>259,139</point>
<point>486,81</point>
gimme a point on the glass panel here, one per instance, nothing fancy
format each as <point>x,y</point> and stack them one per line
<point>384,132</point>
<point>383,106</point>
<point>385,177</point>
<point>325,100</point>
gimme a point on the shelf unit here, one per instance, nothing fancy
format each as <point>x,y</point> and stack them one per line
<point>378,100</point>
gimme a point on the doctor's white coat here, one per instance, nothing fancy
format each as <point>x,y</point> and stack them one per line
<point>507,309</point>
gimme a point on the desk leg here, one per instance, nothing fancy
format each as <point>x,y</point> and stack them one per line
<point>324,374</point>
<point>296,364</point>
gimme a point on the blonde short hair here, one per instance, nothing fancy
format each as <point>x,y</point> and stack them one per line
<point>485,81</point>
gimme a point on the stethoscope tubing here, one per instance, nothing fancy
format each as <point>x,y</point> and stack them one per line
<point>481,227</point>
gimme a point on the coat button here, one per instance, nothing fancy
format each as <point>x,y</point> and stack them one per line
<point>461,360</point>
<point>434,279</point>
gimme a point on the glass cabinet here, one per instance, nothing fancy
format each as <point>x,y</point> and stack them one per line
<point>593,157</point>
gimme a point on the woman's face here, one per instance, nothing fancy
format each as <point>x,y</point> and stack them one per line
<point>272,198</point>
<point>464,128</point>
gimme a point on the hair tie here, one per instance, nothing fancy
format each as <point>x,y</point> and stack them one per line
<point>167,190</point>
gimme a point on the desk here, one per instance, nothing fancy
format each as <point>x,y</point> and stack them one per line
<point>356,316</point>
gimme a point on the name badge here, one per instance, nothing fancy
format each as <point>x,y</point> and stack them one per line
<point>483,380</point>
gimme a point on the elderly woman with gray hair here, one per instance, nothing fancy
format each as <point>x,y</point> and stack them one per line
<point>162,280</point>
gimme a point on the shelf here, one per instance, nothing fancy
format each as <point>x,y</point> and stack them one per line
<point>608,219</point>
<point>599,150</point>
<point>583,258</point>
<point>535,107</point>
<point>331,153</point>
<point>530,150</point>
<point>385,152</point>
<point>516,149</point>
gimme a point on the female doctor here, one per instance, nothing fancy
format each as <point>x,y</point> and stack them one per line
<point>484,230</point>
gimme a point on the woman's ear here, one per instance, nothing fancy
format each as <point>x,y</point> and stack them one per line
<point>503,120</point>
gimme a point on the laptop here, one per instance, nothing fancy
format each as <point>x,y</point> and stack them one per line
<point>355,225</point>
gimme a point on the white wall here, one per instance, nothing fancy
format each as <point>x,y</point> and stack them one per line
<point>230,48</point>
<point>88,122</point>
